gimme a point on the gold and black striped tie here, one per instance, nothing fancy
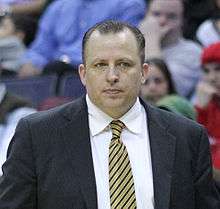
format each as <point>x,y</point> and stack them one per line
<point>121,184</point>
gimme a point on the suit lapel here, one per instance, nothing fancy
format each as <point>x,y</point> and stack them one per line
<point>77,141</point>
<point>162,155</point>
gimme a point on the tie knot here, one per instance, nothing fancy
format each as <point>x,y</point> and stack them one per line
<point>116,126</point>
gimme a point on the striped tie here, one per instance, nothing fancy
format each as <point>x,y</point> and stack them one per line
<point>121,184</point>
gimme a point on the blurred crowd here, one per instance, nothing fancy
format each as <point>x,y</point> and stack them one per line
<point>39,37</point>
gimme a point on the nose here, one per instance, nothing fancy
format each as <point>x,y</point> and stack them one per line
<point>152,85</point>
<point>162,20</point>
<point>112,75</point>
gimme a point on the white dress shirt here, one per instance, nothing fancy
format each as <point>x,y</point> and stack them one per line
<point>7,129</point>
<point>136,139</point>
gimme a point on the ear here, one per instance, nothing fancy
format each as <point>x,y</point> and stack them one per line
<point>145,68</point>
<point>82,74</point>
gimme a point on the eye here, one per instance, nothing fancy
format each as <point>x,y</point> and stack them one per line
<point>172,16</point>
<point>156,13</point>
<point>100,65</point>
<point>124,64</point>
<point>155,80</point>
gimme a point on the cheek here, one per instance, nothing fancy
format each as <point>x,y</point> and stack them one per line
<point>89,84</point>
<point>133,83</point>
<point>165,88</point>
<point>92,86</point>
<point>174,25</point>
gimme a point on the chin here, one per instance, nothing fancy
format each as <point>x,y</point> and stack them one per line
<point>113,102</point>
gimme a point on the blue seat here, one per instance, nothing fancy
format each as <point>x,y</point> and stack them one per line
<point>35,89</point>
<point>71,86</point>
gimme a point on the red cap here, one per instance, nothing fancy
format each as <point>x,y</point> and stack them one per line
<point>211,53</point>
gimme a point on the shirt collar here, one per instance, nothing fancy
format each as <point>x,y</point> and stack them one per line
<point>2,91</point>
<point>99,121</point>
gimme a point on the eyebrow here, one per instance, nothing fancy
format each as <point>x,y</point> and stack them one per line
<point>98,60</point>
<point>125,59</point>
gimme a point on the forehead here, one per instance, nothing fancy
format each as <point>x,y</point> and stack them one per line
<point>121,42</point>
<point>174,6</point>
<point>155,70</point>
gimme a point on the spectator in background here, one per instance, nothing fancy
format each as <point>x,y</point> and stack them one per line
<point>162,29</point>
<point>158,83</point>
<point>209,31</point>
<point>208,99</point>
<point>63,25</point>
<point>12,108</point>
<point>16,32</point>
<point>28,7</point>
<point>159,90</point>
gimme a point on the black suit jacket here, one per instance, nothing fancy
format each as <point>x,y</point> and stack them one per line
<point>50,165</point>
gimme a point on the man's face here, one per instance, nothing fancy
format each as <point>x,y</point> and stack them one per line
<point>212,75</point>
<point>113,71</point>
<point>168,13</point>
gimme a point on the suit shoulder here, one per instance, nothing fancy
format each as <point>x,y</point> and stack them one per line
<point>63,112</point>
<point>174,121</point>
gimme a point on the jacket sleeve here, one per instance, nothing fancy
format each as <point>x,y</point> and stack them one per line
<point>18,183</point>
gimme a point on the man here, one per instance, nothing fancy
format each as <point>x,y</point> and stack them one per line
<point>208,100</point>
<point>62,26</point>
<point>74,156</point>
<point>162,27</point>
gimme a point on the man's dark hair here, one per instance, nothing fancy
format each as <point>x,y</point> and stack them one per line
<point>111,26</point>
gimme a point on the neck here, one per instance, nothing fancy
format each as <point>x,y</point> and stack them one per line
<point>116,113</point>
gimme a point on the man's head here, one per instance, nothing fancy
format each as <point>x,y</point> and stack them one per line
<point>211,65</point>
<point>113,68</point>
<point>114,27</point>
<point>168,13</point>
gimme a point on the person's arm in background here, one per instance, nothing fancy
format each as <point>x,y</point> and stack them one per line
<point>153,34</point>
<point>44,45</point>
<point>204,94</point>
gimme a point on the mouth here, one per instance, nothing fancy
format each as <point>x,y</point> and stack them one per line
<point>112,91</point>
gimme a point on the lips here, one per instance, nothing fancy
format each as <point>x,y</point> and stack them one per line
<point>112,91</point>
